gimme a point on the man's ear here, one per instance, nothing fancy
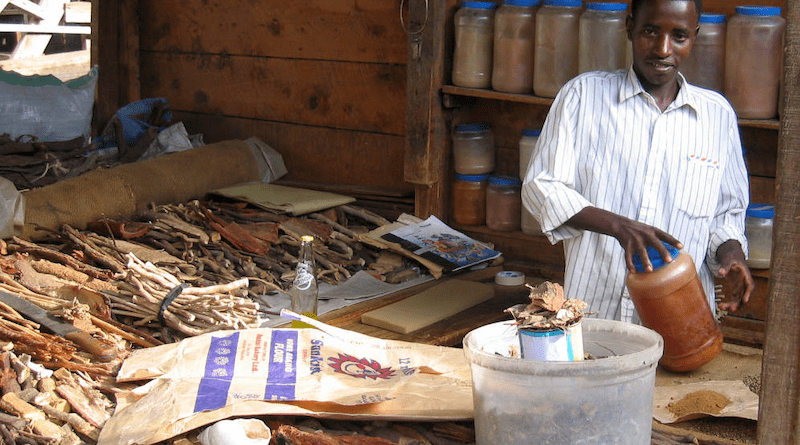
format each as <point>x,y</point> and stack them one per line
<point>629,26</point>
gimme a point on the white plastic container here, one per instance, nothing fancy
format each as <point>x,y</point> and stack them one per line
<point>758,229</point>
<point>473,149</point>
<point>555,56</point>
<point>603,40</point>
<point>608,400</point>
<point>754,61</point>
<point>512,70</point>
<point>705,66</point>
<point>527,144</point>
<point>474,40</point>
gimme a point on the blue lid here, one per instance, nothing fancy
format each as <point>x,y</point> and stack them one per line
<point>607,6</point>
<point>471,178</point>
<point>708,17</point>
<point>655,257</point>
<point>479,5</point>
<point>756,210</point>
<point>758,10</point>
<point>526,3</point>
<point>564,3</point>
<point>530,132</point>
<point>504,180</point>
<point>472,128</point>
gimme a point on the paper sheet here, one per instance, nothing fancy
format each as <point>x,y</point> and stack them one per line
<point>742,402</point>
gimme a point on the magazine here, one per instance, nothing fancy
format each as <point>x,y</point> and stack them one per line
<point>437,242</point>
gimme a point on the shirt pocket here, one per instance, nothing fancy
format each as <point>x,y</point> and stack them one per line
<point>697,187</point>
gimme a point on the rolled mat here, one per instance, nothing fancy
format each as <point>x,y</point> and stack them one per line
<point>121,191</point>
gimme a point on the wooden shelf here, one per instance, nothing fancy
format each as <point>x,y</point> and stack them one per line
<point>768,124</point>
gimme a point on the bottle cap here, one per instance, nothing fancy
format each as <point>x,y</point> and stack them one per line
<point>479,5</point>
<point>307,238</point>
<point>526,3</point>
<point>564,3</point>
<point>607,6</point>
<point>655,257</point>
<point>765,211</point>
<point>509,278</point>
<point>472,128</point>
<point>504,180</point>
<point>708,17</point>
<point>758,10</point>
<point>471,178</point>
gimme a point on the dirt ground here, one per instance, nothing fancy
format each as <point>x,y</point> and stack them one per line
<point>734,363</point>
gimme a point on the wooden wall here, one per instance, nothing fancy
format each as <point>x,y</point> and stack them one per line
<point>321,81</point>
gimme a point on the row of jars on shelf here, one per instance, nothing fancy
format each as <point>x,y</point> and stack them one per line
<point>522,47</point>
<point>481,198</point>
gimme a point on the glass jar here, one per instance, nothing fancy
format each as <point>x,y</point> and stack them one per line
<point>527,144</point>
<point>512,70</point>
<point>603,39</point>
<point>758,230</point>
<point>705,66</point>
<point>474,38</point>
<point>555,54</point>
<point>469,199</point>
<point>754,61</point>
<point>671,301</point>
<point>473,149</point>
<point>503,203</point>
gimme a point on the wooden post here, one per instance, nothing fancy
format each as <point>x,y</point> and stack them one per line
<point>779,409</point>
<point>115,34</point>
<point>427,129</point>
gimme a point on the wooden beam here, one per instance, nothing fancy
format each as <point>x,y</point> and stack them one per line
<point>46,29</point>
<point>31,8</point>
<point>779,409</point>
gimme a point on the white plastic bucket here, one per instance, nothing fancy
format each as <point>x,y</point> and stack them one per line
<point>603,401</point>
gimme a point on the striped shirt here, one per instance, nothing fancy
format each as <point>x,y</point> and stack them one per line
<point>606,143</point>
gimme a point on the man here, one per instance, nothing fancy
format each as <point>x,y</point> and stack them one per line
<point>629,159</point>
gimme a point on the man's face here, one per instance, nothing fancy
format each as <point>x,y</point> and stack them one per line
<point>661,34</point>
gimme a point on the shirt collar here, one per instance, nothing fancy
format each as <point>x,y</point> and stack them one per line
<point>631,87</point>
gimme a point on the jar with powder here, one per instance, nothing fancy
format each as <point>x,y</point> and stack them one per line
<point>474,39</point>
<point>512,70</point>
<point>473,149</point>
<point>503,203</point>
<point>469,199</point>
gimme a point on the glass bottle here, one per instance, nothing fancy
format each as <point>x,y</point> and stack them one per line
<point>304,287</point>
<point>474,39</point>
<point>512,70</point>
<point>705,66</point>
<point>603,38</point>
<point>754,61</point>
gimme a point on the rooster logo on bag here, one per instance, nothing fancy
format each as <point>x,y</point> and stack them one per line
<point>360,368</point>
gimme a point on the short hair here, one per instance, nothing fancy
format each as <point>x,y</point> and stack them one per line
<point>635,4</point>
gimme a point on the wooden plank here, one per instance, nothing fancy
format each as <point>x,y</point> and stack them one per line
<point>325,93</point>
<point>33,45</point>
<point>46,29</point>
<point>31,8</point>
<point>315,154</point>
<point>65,66</point>
<point>517,246</point>
<point>345,30</point>
<point>779,410</point>
<point>78,12</point>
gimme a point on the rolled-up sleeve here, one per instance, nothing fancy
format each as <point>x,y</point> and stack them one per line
<point>548,190</point>
<point>729,219</point>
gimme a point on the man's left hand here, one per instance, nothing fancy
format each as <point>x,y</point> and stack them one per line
<point>739,283</point>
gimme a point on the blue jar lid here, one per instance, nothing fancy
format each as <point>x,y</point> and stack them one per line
<point>757,210</point>
<point>758,10</point>
<point>607,6</point>
<point>708,17</point>
<point>531,132</point>
<point>655,257</point>
<point>471,178</point>
<point>526,3</point>
<point>479,5</point>
<point>472,128</point>
<point>564,3</point>
<point>504,180</point>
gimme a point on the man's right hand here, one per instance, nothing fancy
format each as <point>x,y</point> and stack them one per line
<point>633,236</point>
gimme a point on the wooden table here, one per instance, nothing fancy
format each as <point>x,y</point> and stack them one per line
<point>447,332</point>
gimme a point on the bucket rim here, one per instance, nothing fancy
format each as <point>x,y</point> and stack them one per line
<point>618,364</point>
